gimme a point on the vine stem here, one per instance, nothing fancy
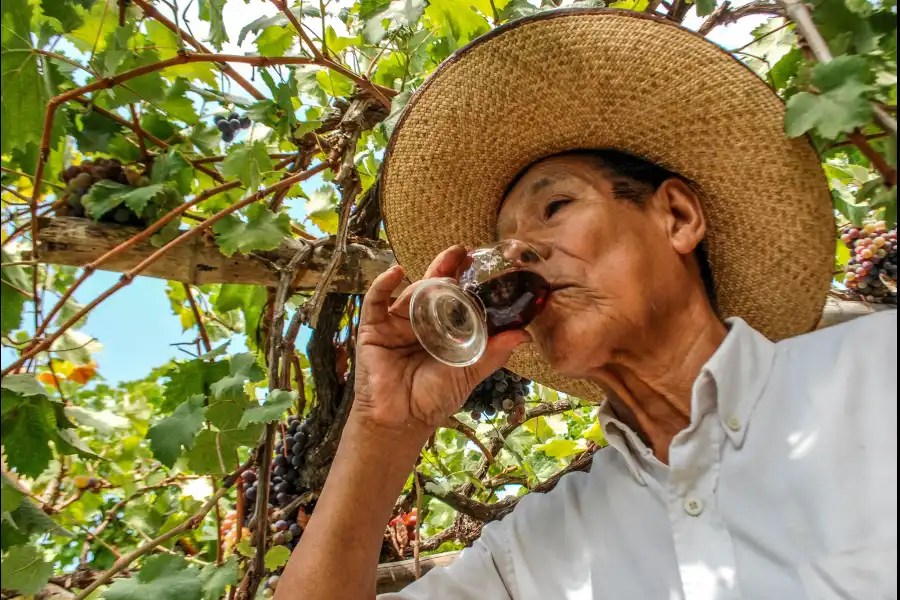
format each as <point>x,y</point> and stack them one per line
<point>90,268</point>
<point>122,563</point>
<point>140,267</point>
<point>204,336</point>
<point>799,13</point>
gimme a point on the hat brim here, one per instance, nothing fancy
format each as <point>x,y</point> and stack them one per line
<point>598,78</point>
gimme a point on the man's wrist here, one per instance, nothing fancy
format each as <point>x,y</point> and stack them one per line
<point>401,440</point>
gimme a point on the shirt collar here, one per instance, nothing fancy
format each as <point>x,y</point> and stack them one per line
<point>734,377</point>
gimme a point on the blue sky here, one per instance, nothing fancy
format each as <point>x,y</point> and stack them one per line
<point>136,325</point>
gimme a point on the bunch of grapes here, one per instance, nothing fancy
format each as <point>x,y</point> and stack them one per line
<point>80,178</point>
<point>872,269</point>
<point>228,531</point>
<point>230,125</point>
<point>502,391</point>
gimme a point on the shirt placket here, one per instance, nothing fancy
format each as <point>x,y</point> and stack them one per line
<point>703,546</point>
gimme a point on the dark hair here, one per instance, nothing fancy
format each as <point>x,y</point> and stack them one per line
<point>634,179</point>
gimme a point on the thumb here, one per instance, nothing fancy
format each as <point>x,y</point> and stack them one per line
<point>498,350</point>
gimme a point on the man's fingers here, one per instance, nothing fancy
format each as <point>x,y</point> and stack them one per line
<point>498,350</point>
<point>378,298</point>
<point>445,264</point>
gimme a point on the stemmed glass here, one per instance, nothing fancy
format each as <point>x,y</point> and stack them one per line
<point>498,288</point>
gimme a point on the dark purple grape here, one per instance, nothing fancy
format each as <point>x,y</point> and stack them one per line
<point>296,530</point>
<point>227,137</point>
<point>283,499</point>
<point>283,488</point>
<point>281,460</point>
<point>289,443</point>
<point>224,126</point>
<point>280,471</point>
<point>281,525</point>
<point>292,426</point>
<point>232,116</point>
<point>501,386</point>
<point>291,476</point>
<point>218,119</point>
<point>235,124</point>
<point>251,493</point>
<point>297,461</point>
<point>245,122</point>
<point>278,538</point>
<point>299,437</point>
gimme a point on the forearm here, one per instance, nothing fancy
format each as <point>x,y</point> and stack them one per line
<point>338,552</point>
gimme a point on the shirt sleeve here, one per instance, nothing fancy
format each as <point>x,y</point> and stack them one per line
<point>475,574</point>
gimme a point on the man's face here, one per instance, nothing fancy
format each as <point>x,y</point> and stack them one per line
<point>616,268</point>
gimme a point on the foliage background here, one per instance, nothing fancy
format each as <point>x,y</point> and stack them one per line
<point>160,451</point>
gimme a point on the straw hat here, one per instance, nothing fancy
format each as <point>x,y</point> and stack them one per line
<point>595,78</point>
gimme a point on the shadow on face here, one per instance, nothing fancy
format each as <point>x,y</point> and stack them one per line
<point>619,237</point>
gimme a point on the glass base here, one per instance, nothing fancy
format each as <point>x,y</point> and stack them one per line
<point>449,323</point>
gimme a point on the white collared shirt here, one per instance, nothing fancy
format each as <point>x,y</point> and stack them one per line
<point>783,487</point>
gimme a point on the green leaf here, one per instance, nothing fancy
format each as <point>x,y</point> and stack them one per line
<point>103,421</point>
<point>322,208</point>
<point>210,446</point>
<point>595,434</point>
<point>95,132</point>
<point>837,111</point>
<point>26,432</point>
<point>250,299</point>
<point>105,195</point>
<point>245,549</point>
<point>276,557</point>
<point>264,230</point>
<point>24,569</point>
<point>12,280</point>
<point>64,12</point>
<point>177,105</point>
<point>10,495</point>
<point>216,578</point>
<point>247,162</point>
<point>23,97</point>
<point>187,379</point>
<point>163,577</point>
<point>835,73</point>
<point>334,84</point>
<point>205,138</point>
<point>275,406</point>
<point>277,19</point>
<point>167,44</point>
<point>275,41</point>
<point>337,44</point>
<point>25,521</point>
<point>242,368</point>
<point>560,448</point>
<point>211,12</point>
<point>705,7</point>
<point>456,20</point>
<point>169,435</point>
<point>23,385</point>
<point>172,167</point>
<point>397,14</point>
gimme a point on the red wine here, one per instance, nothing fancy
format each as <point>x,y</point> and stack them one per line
<point>511,300</point>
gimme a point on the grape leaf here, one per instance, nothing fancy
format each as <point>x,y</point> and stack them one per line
<point>263,230</point>
<point>10,495</point>
<point>24,569</point>
<point>190,378</point>
<point>210,445</point>
<point>103,421</point>
<point>26,431</point>
<point>321,209</point>
<point>457,22</point>
<point>276,404</point>
<point>211,12</point>
<point>835,73</point>
<point>247,162</point>
<point>106,194</point>
<point>95,132</point>
<point>250,299</point>
<point>163,577</point>
<point>147,88</point>
<point>277,19</point>
<point>177,105</point>
<point>23,385</point>
<point>168,436</point>
<point>337,44</point>
<point>276,557</point>
<point>334,84</point>
<point>23,96</point>
<point>705,7</point>
<point>595,434</point>
<point>205,138</point>
<point>242,368</point>
<point>560,448</point>
<point>399,13</point>
<point>167,44</point>
<point>12,280</point>
<point>840,110</point>
<point>64,12</point>
<point>172,167</point>
<point>216,578</point>
<point>275,41</point>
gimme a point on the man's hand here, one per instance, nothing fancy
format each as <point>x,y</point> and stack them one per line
<point>400,388</point>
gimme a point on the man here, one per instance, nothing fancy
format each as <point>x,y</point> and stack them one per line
<point>688,244</point>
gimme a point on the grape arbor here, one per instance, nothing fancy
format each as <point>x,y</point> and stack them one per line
<point>149,139</point>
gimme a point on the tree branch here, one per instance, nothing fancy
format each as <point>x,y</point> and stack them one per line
<point>724,14</point>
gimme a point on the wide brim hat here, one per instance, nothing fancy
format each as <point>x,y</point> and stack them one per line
<point>596,78</point>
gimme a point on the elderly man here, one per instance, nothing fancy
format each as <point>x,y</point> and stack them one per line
<point>689,250</point>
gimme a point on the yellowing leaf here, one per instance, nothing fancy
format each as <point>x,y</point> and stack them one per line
<point>276,557</point>
<point>561,448</point>
<point>275,41</point>
<point>595,434</point>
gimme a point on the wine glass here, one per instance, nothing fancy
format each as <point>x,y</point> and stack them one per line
<point>498,288</point>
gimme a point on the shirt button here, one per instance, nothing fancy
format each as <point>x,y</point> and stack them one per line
<point>734,424</point>
<point>693,507</point>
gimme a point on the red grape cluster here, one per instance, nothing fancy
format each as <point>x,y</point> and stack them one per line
<point>80,178</point>
<point>502,391</point>
<point>872,269</point>
<point>230,125</point>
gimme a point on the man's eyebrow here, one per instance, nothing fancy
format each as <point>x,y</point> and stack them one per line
<point>541,184</point>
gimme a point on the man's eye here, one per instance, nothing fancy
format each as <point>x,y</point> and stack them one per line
<point>554,206</point>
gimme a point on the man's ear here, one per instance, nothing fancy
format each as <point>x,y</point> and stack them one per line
<point>685,221</point>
